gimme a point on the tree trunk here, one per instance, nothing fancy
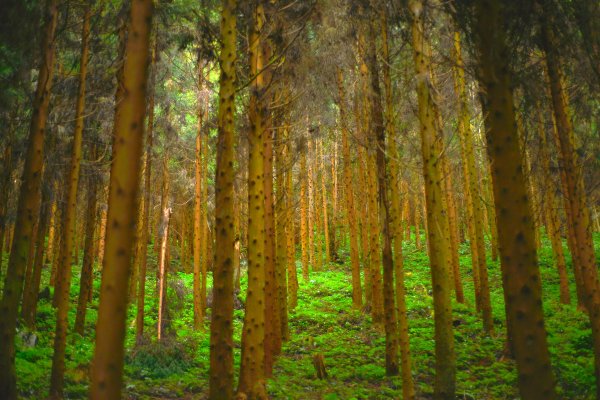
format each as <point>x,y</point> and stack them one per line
<point>377,142</point>
<point>349,196</point>
<point>252,368</point>
<point>107,365</point>
<point>304,214</point>
<point>86,281</point>
<point>30,294</point>
<point>408,389</point>
<point>515,225</point>
<point>580,227</point>
<point>472,193</point>
<point>272,317</point>
<point>27,208</point>
<point>437,219</point>
<point>162,268</point>
<point>198,309</point>
<point>550,209</point>
<point>143,241</point>
<point>221,325</point>
<point>69,237</point>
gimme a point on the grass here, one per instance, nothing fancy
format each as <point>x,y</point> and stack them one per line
<point>325,323</point>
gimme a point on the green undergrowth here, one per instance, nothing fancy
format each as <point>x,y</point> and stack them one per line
<point>322,323</point>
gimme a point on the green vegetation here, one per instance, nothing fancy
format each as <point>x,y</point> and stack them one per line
<point>325,323</point>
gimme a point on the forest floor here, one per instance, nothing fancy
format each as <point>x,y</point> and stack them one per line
<point>324,323</point>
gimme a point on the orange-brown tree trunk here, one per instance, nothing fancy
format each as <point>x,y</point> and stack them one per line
<point>85,284</point>
<point>437,219</point>
<point>252,369</point>
<point>69,238</point>
<point>349,196</point>
<point>107,365</point>
<point>516,240</point>
<point>580,226</point>
<point>221,325</point>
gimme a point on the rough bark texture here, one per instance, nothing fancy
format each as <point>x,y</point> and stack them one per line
<point>107,365</point>
<point>516,240</point>
<point>221,326</point>
<point>252,368</point>
<point>580,227</point>
<point>437,219</point>
<point>408,389</point>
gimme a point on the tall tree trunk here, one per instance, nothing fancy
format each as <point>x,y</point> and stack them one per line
<point>472,193</point>
<point>290,227</point>
<point>88,252</point>
<point>551,215</point>
<point>349,196</point>
<point>252,368</point>
<point>5,186</point>
<point>408,389</point>
<point>437,219</point>
<point>30,293</point>
<point>198,309</point>
<point>304,214</point>
<point>27,209</point>
<point>377,142</point>
<point>272,317</point>
<point>281,223</point>
<point>580,227</point>
<point>162,268</point>
<point>107,365</point>
<point>69,237</point>
<point>366,51</point>
<point>221,325</point>
<point>143,241</point>
<point>515,225</point>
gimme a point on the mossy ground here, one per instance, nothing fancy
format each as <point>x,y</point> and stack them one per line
<point>324,322</point>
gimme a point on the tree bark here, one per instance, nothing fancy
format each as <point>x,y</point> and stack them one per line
<point>516,241</point>
<point>107,365</point>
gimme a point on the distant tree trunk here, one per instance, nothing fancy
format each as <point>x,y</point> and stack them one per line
<point>272,317</point>
<point>88,253</point>
<point>550,209</point>
<point>310,202</point>
<point>162,269</point>
<point>221,325</point>
<point>143,241</point>
<point>69,237</point>
<point>395,228</point>
<point>377,139</point>
<point>366,51</point>
<point>52,225</point>
<point>325,213</point>
<point>252,368</point>
<point>349,196</point>
<point>281,223</point>
<point>30,294</point>
<point>27,208</point>
<point>290,226</point>
<point>198,306</point>
<point>107,365</point>
<point>437,219</point>
<point>580,226</point>
<point>516,241</point>
<point>304,214</point>
<point>472,193</point>
<point>5,186</point>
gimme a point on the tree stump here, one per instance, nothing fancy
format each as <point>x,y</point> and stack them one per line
<point>319,363</point>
